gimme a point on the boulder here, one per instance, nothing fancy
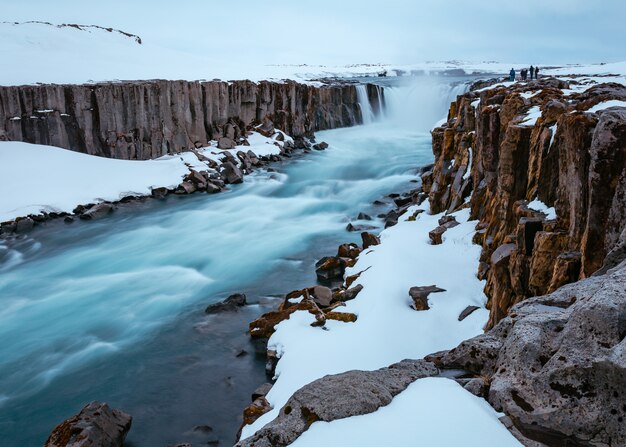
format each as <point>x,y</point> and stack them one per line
<point>159,193</point>
<point>320,146</point>
<point>24,225</point>
<point>436,235</point>
<point>226,143</point>
<point>330,267</point>
<point>232,303</point>
<point>337,397</point>
<point>420,296</point>
<point>349,250</point>
<point>96,425</point>
<point>363,216</point>
<point>556,364</point>
<point>322,296</point>
<point>231,174</point>
<point>97,211</point>
<point>369,239</point>
<point>467,312</point>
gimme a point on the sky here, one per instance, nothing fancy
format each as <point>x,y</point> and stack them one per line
<point>365,31</point>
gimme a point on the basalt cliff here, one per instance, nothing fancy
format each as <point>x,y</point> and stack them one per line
<point>147,119</point>
<point>505,147</point>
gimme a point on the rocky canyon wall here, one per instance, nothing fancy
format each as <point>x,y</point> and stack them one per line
<point>505,147</point>
<point>147,119</point>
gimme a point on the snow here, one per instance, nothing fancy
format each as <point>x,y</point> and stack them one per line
<point>27,47</point>
<point>606,104</point>
<point>531,117</point>
<point>422,415</point>
<point>538,205</point>
<point>387,329</point>
<point>37,178</point>
<point>553,129</point>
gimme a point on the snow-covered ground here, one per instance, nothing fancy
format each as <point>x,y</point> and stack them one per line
<point>43,53</point>
<point>430,412</point>
<point>36,178</point>
<point>389,330</point>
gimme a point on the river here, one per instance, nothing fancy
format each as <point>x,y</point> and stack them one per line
<point>113,310</point>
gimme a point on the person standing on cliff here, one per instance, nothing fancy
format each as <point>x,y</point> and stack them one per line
<point>536,72</point>
<point>532,70</point>
<point>512,75</point>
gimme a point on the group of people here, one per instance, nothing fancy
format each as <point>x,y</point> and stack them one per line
<point>534,73</point>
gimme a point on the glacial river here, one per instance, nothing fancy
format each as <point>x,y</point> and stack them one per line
<point>113,310</point>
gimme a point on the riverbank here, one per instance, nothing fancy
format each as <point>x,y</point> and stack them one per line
<point>385,329</point>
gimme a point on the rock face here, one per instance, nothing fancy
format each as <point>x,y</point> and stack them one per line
<point>336,397</point>
<point>569,159</point>
<point>557,364</point>
<point>97,425</point>
<point>147,119</point>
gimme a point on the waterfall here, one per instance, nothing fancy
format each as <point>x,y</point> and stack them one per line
<point>420,103</point>
<point>364,104</point>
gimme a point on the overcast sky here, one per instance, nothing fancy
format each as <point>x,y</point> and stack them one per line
<point>365,31</point>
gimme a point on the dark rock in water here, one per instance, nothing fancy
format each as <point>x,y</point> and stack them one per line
<point>402,201</point>
<point>233,302</point>
<point>320,146</point>
<point>420,296</point>
<point>185,188</point>
<point>68,219</point>
<point>96,425</point>
<point>391,219</point>
<point>203,429</point>
<point>231,173</point>
<point>350,227</point>
<point>467,312</point>
<point>337,397</point>
<point>261,391</point>
<point>369,239</point>
<point>24,225</point>
<point>393,195</point>
<point>159,193</point>
<point>378,202</point>
<point>556,363</point>
<point>330,267</point>
<point>301,143</point>
<point>363,216</point>
<point>97,211</point>
<point>212,188</point>
<point>225,143</point>
<point>242,353</point>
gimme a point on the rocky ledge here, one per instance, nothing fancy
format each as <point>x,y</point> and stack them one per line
<point>542,165</point>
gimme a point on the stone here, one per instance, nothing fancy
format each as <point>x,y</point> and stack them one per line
<point>352,228</point>
<point>555,365</point>
<point>337,397</point>
<point>467,312</point>
<point>255,410</point>
<point>347,294</point>
<point>185,187</point>
<point>97,211</point>
<point>232,303</point>
<point>24,225</point>
<point>225,143</point>
<point>320,146</point>
<point>330,267</point>
<point>419,295</point>
<point>263,327</point>
<point>159,193</point>
<point>231,174</point>
<point>345,317</point>
<point>96,425</point>
<point>369,239</point>
<point>436,235</point>
<point>350,250</point>
<point>322,296</point>
<point>261,391</point>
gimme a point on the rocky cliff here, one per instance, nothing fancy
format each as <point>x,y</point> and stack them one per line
<point>147,119</point>
<point>511,152</point>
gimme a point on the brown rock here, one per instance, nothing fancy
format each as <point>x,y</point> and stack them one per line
<point>369,239</point>
<point>420,296</point>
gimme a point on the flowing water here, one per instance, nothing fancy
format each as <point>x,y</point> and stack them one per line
<point>112,310</point>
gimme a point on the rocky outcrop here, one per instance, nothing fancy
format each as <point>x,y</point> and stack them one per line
<point>557,364</point>
<point>96,425</point>
<point>336,397</point>
<point>495,156</point>
<point>147,119</point>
